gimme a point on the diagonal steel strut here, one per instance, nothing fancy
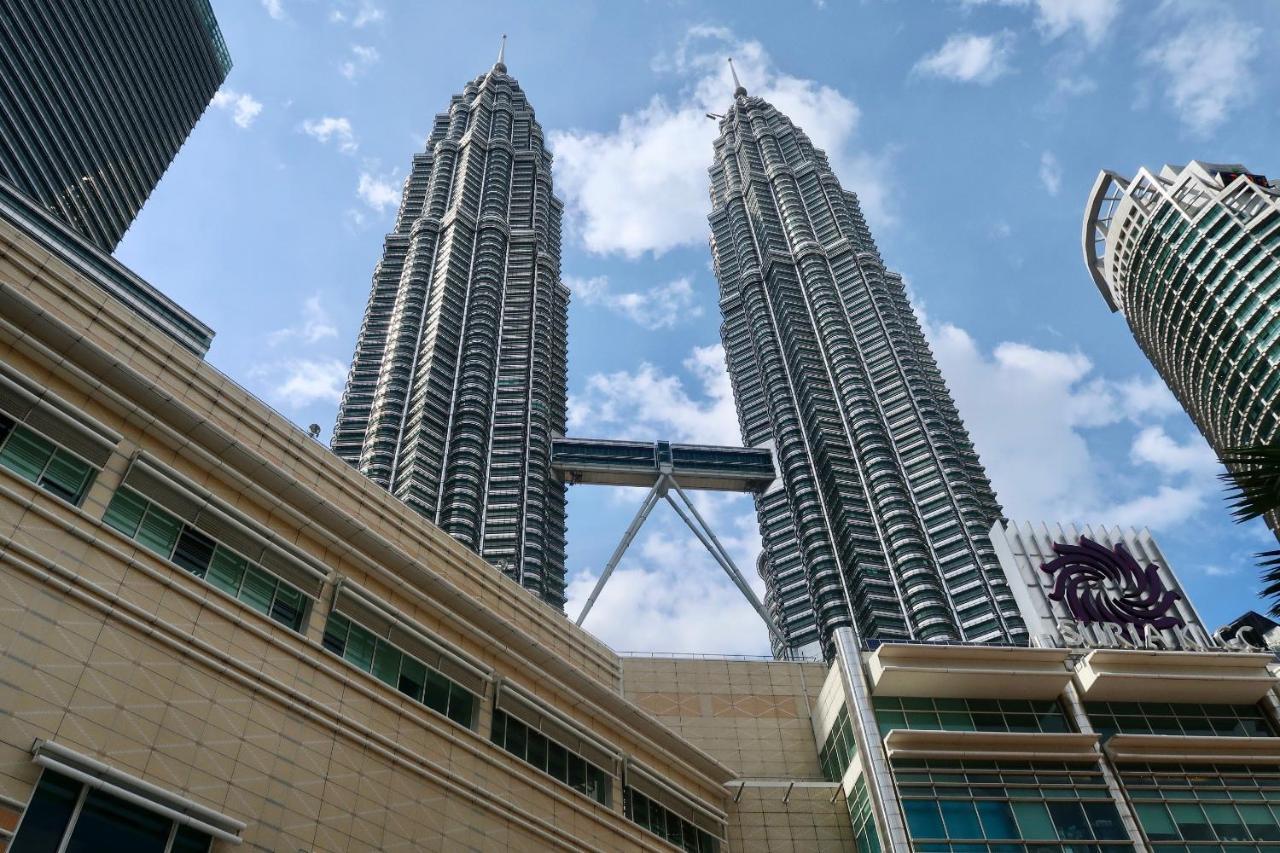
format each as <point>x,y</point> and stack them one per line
<point>650,501</point>
<point>698,525</point>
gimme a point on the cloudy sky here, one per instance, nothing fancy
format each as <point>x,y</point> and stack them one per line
<point>971,130</point>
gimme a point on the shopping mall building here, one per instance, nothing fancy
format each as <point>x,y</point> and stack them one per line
<point>214,632</point>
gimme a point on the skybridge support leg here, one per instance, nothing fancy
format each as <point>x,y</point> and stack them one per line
<point>707,537</point>
<point>658,491</point>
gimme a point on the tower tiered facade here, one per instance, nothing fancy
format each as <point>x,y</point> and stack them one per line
<point>459,379</point>
<point>881,516</point>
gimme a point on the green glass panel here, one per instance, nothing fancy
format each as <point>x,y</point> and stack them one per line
<point>997,819</point>
<point>413,678</point>
<point>558,762</point>
<point>1226,823</point>
<point>1156,822</point>
<point>1034,823</point>
<point>386,664</point>
<point>537,753</point>
<point>437,693</point>
<point>25,453</point>
<point>335,633</point>
<point>66,477</point>
<point>226,572</point>
<point>1191,822</point>
<point>360,645</point>
<point>159,531</point>
<point>517,737</point>
<point>923,819</point>
<point>288,606</point>
<point>1104,820</point>
<point>125,512</point>
<point>960,819</point>
<point>1262,823</point>
<point>956,722</point>
<point>461,706</point>
<point>258,590</point>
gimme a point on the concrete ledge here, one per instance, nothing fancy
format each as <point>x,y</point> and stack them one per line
<point>1198,749</point>
<point>1020,746</point>
<point>1134,675</point>
<point>968,672</point>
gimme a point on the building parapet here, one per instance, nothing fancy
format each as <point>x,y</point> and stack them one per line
<point>1129,675</point>
<point>992,746</point>
<point>992,672</point>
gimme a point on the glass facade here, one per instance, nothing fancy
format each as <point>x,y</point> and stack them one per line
<point>1163,718</point>
<point>554,759</point>
<point>459,378</point>
<point>1008,807</point>
<point>666,824</point>
<point>970,715</point>
<point>35,458</point>
<point>96,98</point>
<point>181,544</point>
<point>864,825</point>
<point>839,749</point>
<point>70,817</point>
<point>1204,807</point>
<point>361,648</point>
<point>883,518</point>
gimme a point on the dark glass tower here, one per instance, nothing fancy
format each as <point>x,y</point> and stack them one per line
<point>459,379</point>
<point>882,514</point>
<point>96,98</point>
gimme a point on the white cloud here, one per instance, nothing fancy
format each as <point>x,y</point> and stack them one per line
<point>1207,68</point>
<point>275,8</point>
<point>362,57</point>
<point>338,130</point>
<point>646,403</point>
<point>378,193</point>
<point>1050,173</point>
<point>1002,229</point>
<point>296,383</point>
<point>1220,571</point>
<point>359,15</point>
<point>1029,411</point>
<point>244,108</point>
<point>1156,447</point>
<point>642,187</point>
<point>667,595</point>
<point>660,307</point>
<point>969,58</point>
<point>1092,17</point>
<point>314,325</point>
<point>1055,18</point>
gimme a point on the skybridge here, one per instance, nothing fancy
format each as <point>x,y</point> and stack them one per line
<point>668,469</point>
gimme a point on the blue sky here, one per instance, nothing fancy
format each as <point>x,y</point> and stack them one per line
<point>971,129</point>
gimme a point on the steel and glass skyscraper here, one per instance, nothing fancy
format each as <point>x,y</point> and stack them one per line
<point>880,519</point>
<point>459,379</point>
<point>96,98</point>
<point>1191,257</point>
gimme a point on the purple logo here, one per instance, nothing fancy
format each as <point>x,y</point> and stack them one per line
<point>1098,585</point>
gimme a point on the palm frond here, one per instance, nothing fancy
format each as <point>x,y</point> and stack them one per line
<point>1269,563</point>
<point>1253,480</point>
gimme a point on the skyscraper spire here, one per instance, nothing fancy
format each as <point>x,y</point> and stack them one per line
<point>459,377</point>
<point>501,64</point>
<point>882,516</point>
<point>739,91</point>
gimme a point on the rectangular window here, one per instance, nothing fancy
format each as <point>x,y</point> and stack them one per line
<point>1211,804</point>
<point>36,459</point>
<point>552,758</point>
<point>64,814</point>
<point>366,651</point>
<point>968,715</point>
<point>664,823</point>
<point>1178,718</point>
<point>188,548</point>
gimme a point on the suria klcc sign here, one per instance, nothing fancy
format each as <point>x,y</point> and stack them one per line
<point>1102,588</point>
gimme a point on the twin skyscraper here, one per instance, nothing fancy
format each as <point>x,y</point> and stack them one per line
<point>880,515</point>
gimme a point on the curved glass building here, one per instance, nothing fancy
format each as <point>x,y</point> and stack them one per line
<point>97,97</point>
<point>1191,258</point>
<point>881,516</point>
<point>459,379</point>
